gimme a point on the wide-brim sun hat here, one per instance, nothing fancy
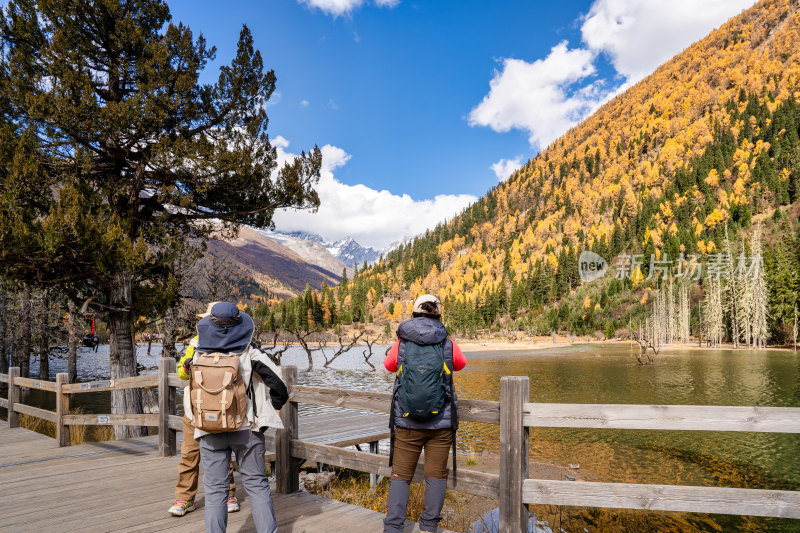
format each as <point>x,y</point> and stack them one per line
<point>427,298</point>
<point>208,310</point>
<point>225,330</point>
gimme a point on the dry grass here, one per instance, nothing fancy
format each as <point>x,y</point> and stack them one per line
<point>77,434</point>
<point>459,513</point>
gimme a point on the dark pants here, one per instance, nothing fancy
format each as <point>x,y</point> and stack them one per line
<point>215,457</point>
<point>408,444</point>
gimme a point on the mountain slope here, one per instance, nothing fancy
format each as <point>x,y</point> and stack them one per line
<point>709,140</point>
<point>253,255</point>
<point>309,248</point>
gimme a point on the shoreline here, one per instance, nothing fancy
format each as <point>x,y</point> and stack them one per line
<point>478,345</point>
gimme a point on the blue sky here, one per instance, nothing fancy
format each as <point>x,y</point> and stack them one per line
<point>420,107</point>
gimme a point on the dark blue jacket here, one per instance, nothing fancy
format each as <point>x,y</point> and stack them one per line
<point>426,331</point>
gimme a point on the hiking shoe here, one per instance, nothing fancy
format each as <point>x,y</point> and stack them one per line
<point>233,504</point>
<point>180,507</point>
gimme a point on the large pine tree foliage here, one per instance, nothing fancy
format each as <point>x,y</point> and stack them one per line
<point>113,153</point>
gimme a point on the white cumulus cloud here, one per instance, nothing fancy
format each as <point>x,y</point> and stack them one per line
<point>505,167</point>
<point>372,217</point>
<point>537,96</point>
<point>548,96</point>
<point>338,8</point>
<point>640,35</point>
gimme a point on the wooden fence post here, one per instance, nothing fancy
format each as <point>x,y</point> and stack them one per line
<point>13,397</point>
<point>514,392</point>
<point>62,408</point>
<point>166,407</point>
<point>286,467</point>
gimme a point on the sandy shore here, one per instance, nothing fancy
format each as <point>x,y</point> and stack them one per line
<point>546,343</point>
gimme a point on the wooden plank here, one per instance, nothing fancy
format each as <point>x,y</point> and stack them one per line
<point>467,481</point>
<point>175,422</point>
<point>133,382</point>
<point>112,420</point>
<point>478,411</point>
<point>664,417</point>
<point>175,381</point>
<point>3,378</point>
<point>754,502</point>
<point>3,403</point>
<point>70,476</point>
<point>286,468</point>
<point>29,410</point>
<point>468,410</point>
<point>514,393</point>
<point>349,399</point>
<point>29,383</point>
<point>166,407</point>
<point>62,408</point>
<point>53,488</point>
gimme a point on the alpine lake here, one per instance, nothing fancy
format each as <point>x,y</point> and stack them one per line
<point>588,373</point>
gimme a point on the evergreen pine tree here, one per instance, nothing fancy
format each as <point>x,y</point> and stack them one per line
<point>120,152</point>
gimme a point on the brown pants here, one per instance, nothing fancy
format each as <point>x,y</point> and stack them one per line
<point>408,443</point>
<point>189,466</point>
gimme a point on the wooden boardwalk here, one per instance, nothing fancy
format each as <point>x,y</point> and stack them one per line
<point>123,486</point>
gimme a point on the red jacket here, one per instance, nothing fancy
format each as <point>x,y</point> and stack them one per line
<point>390,361</point>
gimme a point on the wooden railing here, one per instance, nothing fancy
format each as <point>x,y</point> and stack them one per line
<point>64,390</point>
<point>514,413</point>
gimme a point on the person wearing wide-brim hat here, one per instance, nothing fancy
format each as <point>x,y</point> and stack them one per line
<point>189,465</point>
<point>435,433</point>
<point>229,330</point>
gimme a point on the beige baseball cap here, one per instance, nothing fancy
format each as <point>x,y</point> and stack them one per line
<point>427,298</point>
<point>208,310</point>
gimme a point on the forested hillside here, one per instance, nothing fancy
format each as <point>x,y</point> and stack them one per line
<point>707,142</point>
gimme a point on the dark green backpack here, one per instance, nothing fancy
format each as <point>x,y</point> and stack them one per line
<point>421,391</point>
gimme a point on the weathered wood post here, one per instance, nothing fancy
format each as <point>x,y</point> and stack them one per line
<point>13,397</point>
<point>514,392</point>
<point>286,467</point>
<point>373,478</point>
<point>62,408</point>
<point>166,407</point>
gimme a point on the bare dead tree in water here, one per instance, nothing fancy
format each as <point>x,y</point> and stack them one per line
<point>303,337</point>
<point>273,352</point>
<point>343,348</point>
<point>367,353</point>
<point>645,339</point>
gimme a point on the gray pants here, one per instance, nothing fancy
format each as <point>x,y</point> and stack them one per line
<point>215,457</point>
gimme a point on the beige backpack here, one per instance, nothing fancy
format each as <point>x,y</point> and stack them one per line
<point>217,393</point>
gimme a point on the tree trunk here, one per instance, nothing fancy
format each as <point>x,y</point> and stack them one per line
<point>170,334</point>
<point>72,345</point>
<point>122,353</point>
<point>3,304</point>
<point>44,339</point>
<point>24,354</point>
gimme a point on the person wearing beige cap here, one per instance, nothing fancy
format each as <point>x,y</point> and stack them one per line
<point>189,465</point>
<point>424,413</point>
